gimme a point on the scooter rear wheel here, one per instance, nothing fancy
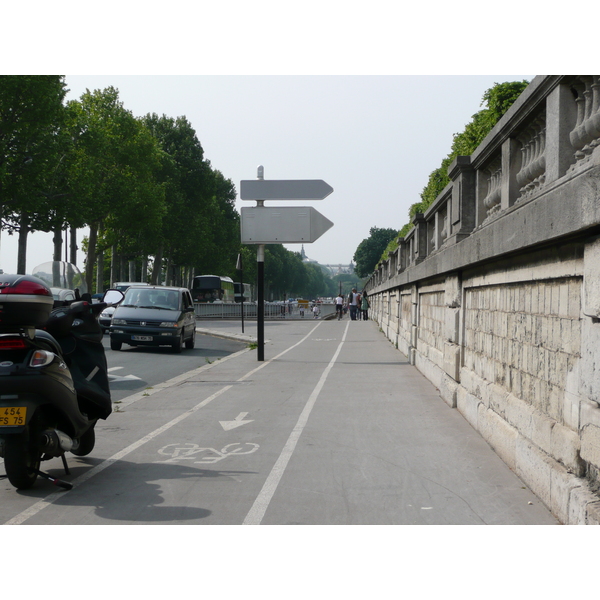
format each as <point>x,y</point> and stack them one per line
<point>20,457</point>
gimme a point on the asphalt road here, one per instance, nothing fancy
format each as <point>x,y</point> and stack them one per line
<point>136,368</point>
<point>334,427</point>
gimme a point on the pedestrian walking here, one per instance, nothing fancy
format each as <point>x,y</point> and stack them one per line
<point>364,306</point>
<point>316,311</point>
<point>339,306</point>
<point>353,303</point>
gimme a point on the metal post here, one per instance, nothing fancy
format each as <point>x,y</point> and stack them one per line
<point>240,268</point>
<point>260,259</point>
<point>260,316</point>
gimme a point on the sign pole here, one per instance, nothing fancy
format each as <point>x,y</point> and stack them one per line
<point>279,225</point>
<point>260,316</point>
<point>260,259</point>
<point>240,268</point>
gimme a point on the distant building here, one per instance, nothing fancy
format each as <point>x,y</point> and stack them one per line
<point>331,270</point>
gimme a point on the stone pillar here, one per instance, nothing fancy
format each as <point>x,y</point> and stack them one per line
<point>452,326</point>
<point>414,319</point>
<point>462,213</point>
<point>401,255</point>
<point>420,238</point>
<point>561,116</point>
<point>511,162</point>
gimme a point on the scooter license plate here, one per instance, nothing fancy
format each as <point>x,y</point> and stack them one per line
<point>141,338</point>
<point>13,416</point>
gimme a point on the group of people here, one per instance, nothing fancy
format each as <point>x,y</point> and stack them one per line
<point>356,303</point>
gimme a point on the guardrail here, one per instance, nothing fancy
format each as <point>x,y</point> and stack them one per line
<point>272,311</point>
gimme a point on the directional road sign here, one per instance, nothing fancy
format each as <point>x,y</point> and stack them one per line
<point>284,189</point>
<point>282,225</point>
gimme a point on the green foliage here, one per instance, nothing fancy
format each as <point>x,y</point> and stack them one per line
<point>31,113</point>
<point>370,250</point>
<point>497,100</point>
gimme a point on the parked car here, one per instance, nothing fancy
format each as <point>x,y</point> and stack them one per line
<point>123,286</point>
<point>61,296</point>
<point>154,316</point>
<point>106,315</point>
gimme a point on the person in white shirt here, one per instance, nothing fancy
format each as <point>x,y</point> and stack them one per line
<point>339,306</point>
<point>353,302</point>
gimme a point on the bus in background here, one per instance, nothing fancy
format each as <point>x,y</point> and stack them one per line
<point>247,291</point>
<point>212,288</point>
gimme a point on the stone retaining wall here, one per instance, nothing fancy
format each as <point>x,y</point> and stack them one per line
<point>502,313</point>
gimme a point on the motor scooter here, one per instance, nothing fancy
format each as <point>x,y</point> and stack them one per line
<point>53,377</point>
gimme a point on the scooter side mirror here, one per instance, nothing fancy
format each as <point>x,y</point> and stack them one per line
<point>113,297</point>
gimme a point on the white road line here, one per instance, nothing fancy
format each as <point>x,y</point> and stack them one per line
<point>39,506</point>
<point>42,504</point>
<point>257,512</point>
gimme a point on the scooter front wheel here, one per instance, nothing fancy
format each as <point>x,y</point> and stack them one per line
<point>21,460</point>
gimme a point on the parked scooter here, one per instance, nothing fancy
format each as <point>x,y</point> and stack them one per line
<point>53,377</point>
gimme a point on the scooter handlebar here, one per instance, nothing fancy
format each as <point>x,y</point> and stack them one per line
<point>80,306</point>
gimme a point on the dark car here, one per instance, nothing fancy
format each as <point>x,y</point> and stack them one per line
<point>154,316</point>
<point>107,314</point>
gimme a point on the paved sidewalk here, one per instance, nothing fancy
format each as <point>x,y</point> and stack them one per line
<point>378,445</point>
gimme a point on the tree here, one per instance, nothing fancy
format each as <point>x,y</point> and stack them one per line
<point>201,218</point>
<point>369,251</point>
<point>113,173</point>
<point>31,113</point>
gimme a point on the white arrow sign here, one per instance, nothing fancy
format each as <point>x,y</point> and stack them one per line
<point>282,225</point>
<point>284,189</point>
<point>116,378</point>
<point>237,422</point>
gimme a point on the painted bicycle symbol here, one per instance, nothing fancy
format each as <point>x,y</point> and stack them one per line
<point>191,451</point>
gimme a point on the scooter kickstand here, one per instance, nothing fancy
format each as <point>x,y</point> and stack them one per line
<point>63,484</point>
<point>65,465</point>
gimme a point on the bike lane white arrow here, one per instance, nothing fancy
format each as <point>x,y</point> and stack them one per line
<point>115,378</point>
<point>237,422</point>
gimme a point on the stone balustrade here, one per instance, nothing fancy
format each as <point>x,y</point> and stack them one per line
<point>552,131</point>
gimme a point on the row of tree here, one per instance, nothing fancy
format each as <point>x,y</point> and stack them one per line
<point>497,101</point>
<point>151,200</point>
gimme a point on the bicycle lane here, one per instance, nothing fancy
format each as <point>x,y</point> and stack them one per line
<point>382,447</point>
<point>170,458</point>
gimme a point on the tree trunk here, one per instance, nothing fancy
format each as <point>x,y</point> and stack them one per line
<point>113,266</point>
<point>144,277</point>
<point>100,273</point>
<point>73,246</point>
<point>22,245</point>
<point>168,271</point>
<point>157,267</point>
<point>91,257</point>
<point>57,239</point>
